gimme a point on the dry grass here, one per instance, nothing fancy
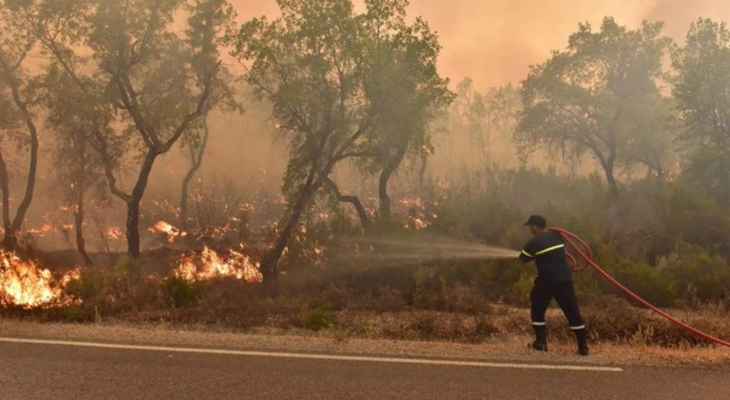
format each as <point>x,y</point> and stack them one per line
<point>497,348</point>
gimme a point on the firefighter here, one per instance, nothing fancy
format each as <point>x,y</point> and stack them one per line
<point>554,281</point>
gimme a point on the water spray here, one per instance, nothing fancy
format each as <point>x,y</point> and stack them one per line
<point>429,248</point>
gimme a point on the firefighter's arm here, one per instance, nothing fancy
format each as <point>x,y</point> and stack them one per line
<point>528,253</point>
<point>526,257</point>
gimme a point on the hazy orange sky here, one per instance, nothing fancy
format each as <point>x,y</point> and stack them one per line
<point>495,41</point>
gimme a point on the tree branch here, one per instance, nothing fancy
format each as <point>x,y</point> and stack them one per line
<point>200,110</point>
<point>354,200</point>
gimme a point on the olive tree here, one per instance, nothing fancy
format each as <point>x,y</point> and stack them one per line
<point>702,91</point>
<point>406,92</point>
<point>317,65</point>
<point>20,90</point>
<point>150,77</point>
<point>597,96</point>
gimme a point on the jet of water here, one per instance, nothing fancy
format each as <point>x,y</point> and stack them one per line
<point>425,248</point>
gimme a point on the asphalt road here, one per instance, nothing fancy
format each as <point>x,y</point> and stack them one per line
<point>42,371</point>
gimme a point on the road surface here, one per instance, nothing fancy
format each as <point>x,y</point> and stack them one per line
<point>30,371</point>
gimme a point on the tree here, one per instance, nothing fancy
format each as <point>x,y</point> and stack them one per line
<point>141,70</point>
<point>479,121</point>
<point>701,88</point>
<point>19,113</point>
<point>314,65</point>
<point>362,213</point>
<point>597,95</point>
<point>652,146</point>
<point>78,166</point>
<point>405,89</point>
<point>195,146</point>
<point>308,64</point>
<point>208,23</point>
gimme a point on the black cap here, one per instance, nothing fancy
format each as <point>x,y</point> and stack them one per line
<point>537,221</point>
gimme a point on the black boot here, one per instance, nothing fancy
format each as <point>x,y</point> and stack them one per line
<point>540,343</point>
<point>581,337</point>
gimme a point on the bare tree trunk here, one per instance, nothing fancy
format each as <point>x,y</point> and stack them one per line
<point>133,240</point>
<point>609,170</point>
<point>388,170</point>
<point>270,261</point>
<point>422,173</point>
<point>612,184</point>
<point>391,165</point>
<point>184,224</point>
<point>608,166</point>
<point>354,200</point>
<point>80,193</point>
<point>79,222</point>
<point>5,187</point>
<point>196,157</point>
<point>383,196</point>
<point>133,205</point>
<point>11,241</point>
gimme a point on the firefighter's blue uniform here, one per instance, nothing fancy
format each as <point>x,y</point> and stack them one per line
<point>554,280</point>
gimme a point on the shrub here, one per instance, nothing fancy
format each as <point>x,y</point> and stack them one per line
<point>318,318</point>
<point>181,293</point>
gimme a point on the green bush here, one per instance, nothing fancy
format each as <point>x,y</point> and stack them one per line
<point>699,276</point>
<point>181,293</point>
<point>318,318</point>
<point>652,284</point>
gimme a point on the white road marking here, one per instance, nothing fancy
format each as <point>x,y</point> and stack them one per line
<point>392,360</point>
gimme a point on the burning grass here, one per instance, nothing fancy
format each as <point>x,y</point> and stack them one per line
<point>168,231</point>
<point>209,264</point>
<point>25,284</point>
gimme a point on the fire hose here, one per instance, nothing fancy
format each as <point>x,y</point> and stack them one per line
<point>577,249</point>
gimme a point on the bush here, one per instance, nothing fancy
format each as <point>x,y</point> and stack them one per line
<point>699,276</point>
<point>318,318</point>
<point>181,293</point>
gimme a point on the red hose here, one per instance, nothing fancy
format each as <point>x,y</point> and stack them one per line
<point>580,248</point>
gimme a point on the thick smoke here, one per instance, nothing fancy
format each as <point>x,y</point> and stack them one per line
<point>496,41</point>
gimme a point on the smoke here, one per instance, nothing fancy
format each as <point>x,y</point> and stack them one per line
<point>679,14</point>
<point>495,42</point>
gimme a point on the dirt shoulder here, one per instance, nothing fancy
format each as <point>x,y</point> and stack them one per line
<point>497,349</point>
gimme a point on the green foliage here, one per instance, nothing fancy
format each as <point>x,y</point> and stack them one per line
<point>701,88</point>
<point>402,85</point>
<point>180,292</point>
<point>600,96</point>
<point>318,318</point>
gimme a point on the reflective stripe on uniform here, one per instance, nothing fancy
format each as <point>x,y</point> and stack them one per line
<point>577,328</point>
<point>527,254</point>
<point>549,249</point>
<point>539,323</point>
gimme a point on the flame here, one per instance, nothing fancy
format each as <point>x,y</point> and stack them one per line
<point>25,284</point>
<point>169,231</point>
<point>41,231</point>
<point>417,224</point>
<point>210,265</point>
<point>114,233</point>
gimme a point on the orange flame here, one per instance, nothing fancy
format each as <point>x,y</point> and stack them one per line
<point>210,265</point>
<point>25,284</point>
<point>41,231</point>
<point>171,233</point>
<point>114,233</point>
